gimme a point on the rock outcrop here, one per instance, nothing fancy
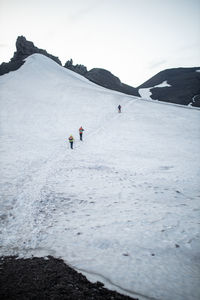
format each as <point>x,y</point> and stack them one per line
<point>108,80</point>
<point>182,85</point>
<point>48,278</point>
<point>24,49</point>
<point>102,77</point>
<point>80,69</point>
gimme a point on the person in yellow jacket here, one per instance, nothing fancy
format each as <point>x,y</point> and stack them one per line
<point>71,141</point>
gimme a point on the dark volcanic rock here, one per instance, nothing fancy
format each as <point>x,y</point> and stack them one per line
<point>24,49</point>
<point>108,80</point>
<point>184,89</point>
<point>80,69</point>
<point>10,66</point>
<point>44,279</point>
<point>184,82</point>
<point>196,101</point>
<point>102,77</point>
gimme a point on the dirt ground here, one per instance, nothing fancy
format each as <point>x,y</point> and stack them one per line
<point>48,279</point>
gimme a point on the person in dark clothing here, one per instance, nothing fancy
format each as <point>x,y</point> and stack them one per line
<point>119,108</point>
<point>81,133</point>
<point>71,141</point>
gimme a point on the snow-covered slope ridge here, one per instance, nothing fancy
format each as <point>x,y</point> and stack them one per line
<point>123,206</point>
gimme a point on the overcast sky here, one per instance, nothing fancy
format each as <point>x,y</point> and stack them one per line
<point>133,39</point>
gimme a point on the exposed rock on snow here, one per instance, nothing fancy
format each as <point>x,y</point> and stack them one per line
<point>80,69</point>
<point>48,278</point>
<point>24,49</point>
<point>108,80</point>
<point>184,83</point>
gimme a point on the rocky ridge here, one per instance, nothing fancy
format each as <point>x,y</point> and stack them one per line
<point>24,49</point>
<point>183,84</point>
<point>102,77</point>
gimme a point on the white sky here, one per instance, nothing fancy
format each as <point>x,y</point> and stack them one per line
<point>134,39</point>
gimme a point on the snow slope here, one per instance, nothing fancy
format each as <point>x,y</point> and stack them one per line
<point>123,206</point>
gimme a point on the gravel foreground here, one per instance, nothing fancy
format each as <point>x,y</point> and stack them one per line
<point>48,278</point>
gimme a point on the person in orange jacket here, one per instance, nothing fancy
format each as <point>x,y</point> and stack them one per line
<point>71,141</point>
<point>81,133</point>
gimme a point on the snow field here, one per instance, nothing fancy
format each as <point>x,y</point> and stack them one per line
<point>123,205</point>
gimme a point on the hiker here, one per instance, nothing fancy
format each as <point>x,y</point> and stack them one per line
<point>119,108</point>
<point>81,132</point>
<point>71,140</point>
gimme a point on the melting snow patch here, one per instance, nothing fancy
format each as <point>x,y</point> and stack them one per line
<point>145,93</point>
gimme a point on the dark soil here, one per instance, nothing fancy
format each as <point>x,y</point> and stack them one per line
<point>48,279</point>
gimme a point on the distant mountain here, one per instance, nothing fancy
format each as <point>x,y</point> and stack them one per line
<point>24,49</point>
<point>179,85</point>
<point>102,77</point>
<point>108,80</point>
